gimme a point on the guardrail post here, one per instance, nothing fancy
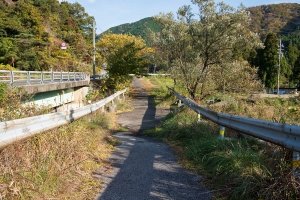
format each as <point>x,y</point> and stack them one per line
<point>12,78</point>
<point>42,77</point>
<point>28,78</point>
<point>61,76</point>
<point>296,164</point>
<point>222,132</point>
<point>52,76</point>
<point>112,106</point>
<point>179,103</point>
<point>199,118</point>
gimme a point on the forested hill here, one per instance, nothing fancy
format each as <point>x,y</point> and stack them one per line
<point>140,28</point>
<point>32,31</point>
<point>278,18</point>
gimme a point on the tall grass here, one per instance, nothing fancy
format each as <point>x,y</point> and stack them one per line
<point>58,164</point>
<point>160,90</point>
<point>272,109</point>
<point>11,106</point>
<point>236,168</point>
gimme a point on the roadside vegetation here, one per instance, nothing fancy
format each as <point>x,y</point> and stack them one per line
<point>238,168</point>
<point>124,55</point>
<point>11,104</point>
<point>281,110</point>
<point>64,163</point>
<point>214,48</point>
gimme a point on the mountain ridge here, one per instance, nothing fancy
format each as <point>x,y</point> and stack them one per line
<point>282,18</point>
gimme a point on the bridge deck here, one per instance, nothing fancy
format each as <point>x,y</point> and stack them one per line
<point>38,81</point>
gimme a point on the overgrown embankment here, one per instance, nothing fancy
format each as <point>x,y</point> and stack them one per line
<point>273,109</point>
<point>238,168</point>
<point>282,110</point>
<point>58,164</point>
<point>11,104</point>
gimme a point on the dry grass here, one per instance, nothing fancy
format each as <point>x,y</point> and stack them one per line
<point>241,168</point>
<point>11,106</point>
<point>125,105</point>
<point>58,164</point>
<point>147,84</point>
<point>272,109</point>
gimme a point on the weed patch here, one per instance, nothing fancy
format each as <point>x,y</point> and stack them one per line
<point>237,168</point>
<point>58,164</point>
<point>11,104</point>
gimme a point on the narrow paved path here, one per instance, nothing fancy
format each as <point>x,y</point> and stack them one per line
<point>145,169</point>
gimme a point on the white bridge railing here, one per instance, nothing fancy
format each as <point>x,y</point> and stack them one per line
<point>22,78</point>
<point>16,130</point>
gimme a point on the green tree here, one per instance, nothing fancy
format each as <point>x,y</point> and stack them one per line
<point>285,72</point>
<point>292,55</point>
<point>193,46</point>
<point>31,32</point>
<point>124,55</point>
<point>269,61</point>
<point>125,61</point>
<point>8,51</point>
<point>296,72</point>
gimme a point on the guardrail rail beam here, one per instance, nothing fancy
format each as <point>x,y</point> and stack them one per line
<point>285,135</point>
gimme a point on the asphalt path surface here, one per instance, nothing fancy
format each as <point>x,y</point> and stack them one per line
<point>142,168</point>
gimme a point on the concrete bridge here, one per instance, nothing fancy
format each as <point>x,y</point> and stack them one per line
<point>51,89</point>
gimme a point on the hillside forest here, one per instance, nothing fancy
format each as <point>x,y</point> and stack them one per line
<point>32,32</point>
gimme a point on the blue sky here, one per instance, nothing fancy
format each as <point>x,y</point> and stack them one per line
<point>109,13</point>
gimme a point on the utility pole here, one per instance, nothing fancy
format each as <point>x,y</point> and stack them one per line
<point>279,61</point>
<point>94,49</point>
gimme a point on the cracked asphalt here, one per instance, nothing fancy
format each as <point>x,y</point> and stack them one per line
<point>145,169</point>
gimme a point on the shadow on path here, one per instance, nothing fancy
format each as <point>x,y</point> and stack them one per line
<point>144,169</point>
<point>149,121</point>
<point>145,114</point>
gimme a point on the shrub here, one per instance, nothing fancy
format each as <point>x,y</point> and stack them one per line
<point>6,67</point>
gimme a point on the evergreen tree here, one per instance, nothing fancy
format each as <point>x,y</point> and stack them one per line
<point>296,72</point>
<point>285,72</point>
<point>269,61</point>
<point>292,55</point>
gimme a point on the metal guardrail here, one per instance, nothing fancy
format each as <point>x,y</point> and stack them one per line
<point>153,74</point>
<point>22,78</point>
<point>281,134</point>
<point>16,130</point>
<point>99,76</point>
